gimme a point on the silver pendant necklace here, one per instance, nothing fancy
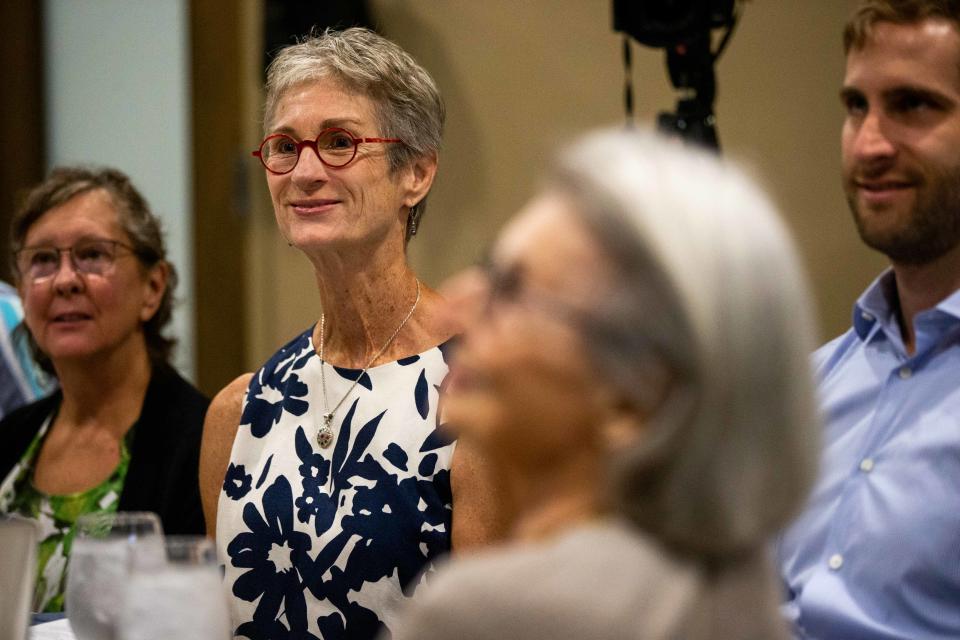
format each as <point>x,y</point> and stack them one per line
<point>325,433</point>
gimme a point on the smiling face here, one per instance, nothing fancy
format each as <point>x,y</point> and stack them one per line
<point>901,139</point>
<point>75,316</point>
<point>317,206</point>
<point>522,384</point>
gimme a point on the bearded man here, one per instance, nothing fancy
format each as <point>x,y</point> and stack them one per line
<point>876,555</point>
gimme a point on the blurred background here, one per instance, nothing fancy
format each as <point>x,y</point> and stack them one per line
<point>170,91</point>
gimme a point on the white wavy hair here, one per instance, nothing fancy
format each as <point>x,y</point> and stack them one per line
<point>707,331</point>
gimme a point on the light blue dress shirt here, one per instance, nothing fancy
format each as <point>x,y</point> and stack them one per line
<point>876,553</point>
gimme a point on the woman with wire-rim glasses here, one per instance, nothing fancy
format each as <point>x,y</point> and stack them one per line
<point>123,431</point>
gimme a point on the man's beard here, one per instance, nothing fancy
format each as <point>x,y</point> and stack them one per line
<point>932,226</point>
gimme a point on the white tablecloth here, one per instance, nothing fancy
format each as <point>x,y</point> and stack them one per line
<point>56,630</point>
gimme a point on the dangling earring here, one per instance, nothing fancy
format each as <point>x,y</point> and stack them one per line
<point>413,220</point>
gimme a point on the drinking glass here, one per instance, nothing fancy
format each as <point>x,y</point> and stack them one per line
<point>183,599</point>
<point>18,567</point>
<point>105,548</point>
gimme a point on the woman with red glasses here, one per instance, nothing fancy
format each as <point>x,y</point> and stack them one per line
<point>123,430</point>
<point>325,479</point>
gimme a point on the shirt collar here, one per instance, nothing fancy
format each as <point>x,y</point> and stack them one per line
<point>877,306</point>
<point>951,305</point>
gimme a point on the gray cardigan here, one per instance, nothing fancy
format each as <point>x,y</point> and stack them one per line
<point>599,581</point>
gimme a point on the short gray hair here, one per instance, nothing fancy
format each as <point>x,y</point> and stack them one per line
<point>405,97</point>
<point>707,331</point>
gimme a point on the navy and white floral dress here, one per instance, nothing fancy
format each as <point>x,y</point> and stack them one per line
<point>327,543</point>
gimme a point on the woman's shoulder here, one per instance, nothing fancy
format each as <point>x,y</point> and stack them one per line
<point>166,377</point>
<point>18,428</point>
<point>35,411</point>
<point>219,431</point>
<point>434,354</point>
<point>171,397</point>
<point>225,408</point>
<point>592,581</point>
<point>585,549</point>
<point>30,416</point>
<point>299,345</point>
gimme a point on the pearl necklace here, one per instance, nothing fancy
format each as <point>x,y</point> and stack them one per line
<point>325,433</point>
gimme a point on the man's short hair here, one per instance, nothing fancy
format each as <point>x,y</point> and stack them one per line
<point>859,27</point>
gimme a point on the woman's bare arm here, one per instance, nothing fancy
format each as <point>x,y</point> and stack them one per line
<point>219,430</point>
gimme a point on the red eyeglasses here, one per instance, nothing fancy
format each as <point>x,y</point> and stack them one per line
<point>335,147</point>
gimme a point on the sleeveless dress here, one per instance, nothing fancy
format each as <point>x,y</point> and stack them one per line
<point>327,543</point>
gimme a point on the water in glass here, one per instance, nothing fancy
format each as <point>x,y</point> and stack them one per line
<point>103,552</point>
<point>183,599</point>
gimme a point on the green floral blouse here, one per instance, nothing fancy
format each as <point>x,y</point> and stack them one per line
<point>57,516</point>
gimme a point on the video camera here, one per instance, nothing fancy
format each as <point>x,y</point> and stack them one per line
<point>684,28</point>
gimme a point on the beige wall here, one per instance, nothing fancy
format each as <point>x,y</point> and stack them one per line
<point>521,78</point>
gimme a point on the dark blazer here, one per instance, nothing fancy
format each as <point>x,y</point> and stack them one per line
<point>164,449</point>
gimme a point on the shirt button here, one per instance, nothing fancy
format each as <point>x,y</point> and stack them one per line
<point>866,465</point>
<point>904,373</point>
<point>866,316</point>
<point>835,561</point>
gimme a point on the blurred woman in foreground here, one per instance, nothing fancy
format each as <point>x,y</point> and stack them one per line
<point>635,366</point>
